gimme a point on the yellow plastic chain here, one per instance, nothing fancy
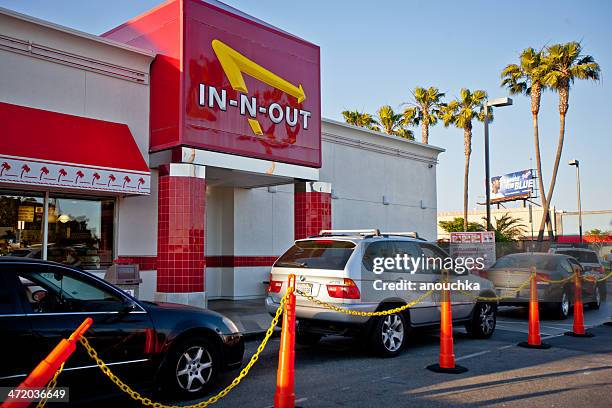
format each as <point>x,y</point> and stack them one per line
<point>496,298</point>
<point>594,279</point>
<point>569,278</point>
<point>148,402</point>
<point>359,313</point>
<point>50,387</point>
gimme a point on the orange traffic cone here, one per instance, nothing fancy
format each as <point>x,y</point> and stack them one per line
<point>284,396</point>
<point>533,338</point>
<point>447,354</point>
<point>579,330</point>
<point>46,369</point>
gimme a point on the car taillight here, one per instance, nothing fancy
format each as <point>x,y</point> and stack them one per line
<point>542,277</point>
<point>275,286</point>
<point>347,291</point>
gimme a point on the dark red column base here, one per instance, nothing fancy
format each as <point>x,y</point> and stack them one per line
<point>542,346</point>
<point>437,369</point>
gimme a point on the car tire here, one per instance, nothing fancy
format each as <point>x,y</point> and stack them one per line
<point>307,339</point>
<point>191,368</point>
<point>388,335</point>
<point>596,303</point>
<point>484,319</point>
<point>561,309</point>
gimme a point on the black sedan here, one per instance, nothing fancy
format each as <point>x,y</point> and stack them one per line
<point>175,348</point>
<point>510,271</point>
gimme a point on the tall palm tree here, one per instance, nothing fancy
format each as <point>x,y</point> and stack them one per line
<point>424,109</point>
<point>527,78</point>
<point>460,113</point>
<point>360,119</point>
<point>392,123</point>
<point>565,63</point>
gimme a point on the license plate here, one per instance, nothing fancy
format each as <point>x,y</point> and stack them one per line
<point>305,288</point>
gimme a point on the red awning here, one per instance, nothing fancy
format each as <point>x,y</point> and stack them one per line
<point>44,148</point>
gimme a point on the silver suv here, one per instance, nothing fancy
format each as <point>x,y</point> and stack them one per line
<point>338,267</point>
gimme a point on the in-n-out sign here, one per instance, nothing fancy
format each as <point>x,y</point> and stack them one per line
<point>235,65</point>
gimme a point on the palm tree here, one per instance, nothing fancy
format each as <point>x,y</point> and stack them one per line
<point>360,119</point>
<point>393,123</point>
<point>565,63</point>
<point>424,109</point>
<point>460,113</point>
<point>527,78</point>
<point>507,228</point>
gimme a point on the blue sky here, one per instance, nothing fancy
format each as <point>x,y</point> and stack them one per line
<point>373,53</point>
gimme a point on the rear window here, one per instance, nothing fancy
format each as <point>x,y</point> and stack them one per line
<point>317,254</point>
<point>548,263</point>
<point>581,256</point>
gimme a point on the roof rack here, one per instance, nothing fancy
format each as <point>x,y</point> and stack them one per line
<point>411,234</point>
<point>374,231</point>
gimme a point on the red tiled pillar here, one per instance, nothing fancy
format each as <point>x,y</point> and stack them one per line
<point>312,208</point>
<point>181,273</point>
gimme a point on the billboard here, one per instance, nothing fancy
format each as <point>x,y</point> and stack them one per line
<point>512,186</point>
<point>228,82</point>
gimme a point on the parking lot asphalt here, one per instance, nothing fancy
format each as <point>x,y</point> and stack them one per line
<point>339,372</point>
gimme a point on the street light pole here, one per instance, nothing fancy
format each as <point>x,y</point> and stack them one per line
<point>577,164</point>
<point>494,102</point>
<point>487,167</point>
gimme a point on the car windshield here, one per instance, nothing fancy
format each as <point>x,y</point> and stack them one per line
<point>317,254</point>
<point>544,262</point>
<point>581,256</point>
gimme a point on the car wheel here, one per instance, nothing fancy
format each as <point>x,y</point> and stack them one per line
<point>596,303</point>
<point>389,335</point>
<point>307,339</point>
<point>191,367</point>
<point>483,321</point>
<point>562,308</point>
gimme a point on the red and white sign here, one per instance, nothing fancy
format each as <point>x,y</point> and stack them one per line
<point>227,82</point>
<point>474,245</point>
<point>472,237</point>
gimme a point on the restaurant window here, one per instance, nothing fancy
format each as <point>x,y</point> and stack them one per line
<point>21,224</point>
<point>80,230</point>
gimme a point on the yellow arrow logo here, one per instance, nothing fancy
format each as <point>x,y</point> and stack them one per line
<point>235,64</point>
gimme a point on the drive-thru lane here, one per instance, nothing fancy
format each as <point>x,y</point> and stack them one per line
<point>339,372</point>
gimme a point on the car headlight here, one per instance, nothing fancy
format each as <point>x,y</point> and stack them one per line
<point>230,325</point>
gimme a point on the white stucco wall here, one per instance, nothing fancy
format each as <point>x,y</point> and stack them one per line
<point>362,166</point>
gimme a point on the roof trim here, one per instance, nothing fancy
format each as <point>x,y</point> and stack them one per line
<point>381,134</point>
<point>76,33</point>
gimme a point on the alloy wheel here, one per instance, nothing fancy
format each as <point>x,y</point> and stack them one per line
<point>392,332</point>
<point>194,369</point>
<point>565,304</point>
<point>487,318</point>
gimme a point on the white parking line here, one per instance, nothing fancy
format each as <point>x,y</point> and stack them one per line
<point>521,330</point>
<point>480,353</point>
<point>296,401</point>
